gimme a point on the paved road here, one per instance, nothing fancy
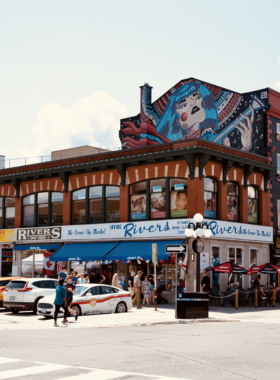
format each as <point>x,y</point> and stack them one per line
<point>196,351</point>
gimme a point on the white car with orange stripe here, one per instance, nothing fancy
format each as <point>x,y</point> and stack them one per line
<point>91,299</point>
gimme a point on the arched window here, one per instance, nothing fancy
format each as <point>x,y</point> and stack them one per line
<point>253,205</point>
<point>210,198</point>
<point>232,201</point>
<point>96,204</point>
<point>42,209</point>
<point>178,198</point>
<point>159,198</point>
<point>7,212</point>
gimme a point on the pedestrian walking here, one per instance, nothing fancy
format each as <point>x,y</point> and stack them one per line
<point>87,279</point>
<point>131,283</point>
<point>205,283</point>
<point>116,281</point>
<point>146,290</point>
<point>152,289</point>
<point>105,273</point>
<point>60,301</point>
<point>63,274</point>
<point>137,289</point>
<point>70,290</point>
<point>82,279</point>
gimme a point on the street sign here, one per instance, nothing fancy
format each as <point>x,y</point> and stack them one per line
<point>182,248</point>
<point>154,254</point>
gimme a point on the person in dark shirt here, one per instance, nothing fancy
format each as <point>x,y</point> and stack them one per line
<point>256,285</point>
<point>205,283</point>
<point>70,289</point>
<point>131,283</point>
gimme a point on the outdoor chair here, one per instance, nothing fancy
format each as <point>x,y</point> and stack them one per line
<point>243,297</point>
<point>229,300</point>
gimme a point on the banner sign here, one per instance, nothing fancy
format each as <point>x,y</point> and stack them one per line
<point>164,229</point>
<point>6,236</point>
<point>38,233</point>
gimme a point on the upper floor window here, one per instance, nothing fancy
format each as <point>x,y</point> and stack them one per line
<point>7,212</point>
<point>210,198</point>
<point>42,209</point>
<point>278,130</point>
<point>159,198</point>
<point>96,204</point>
<point>232,201</point>
<point>253,205</point>
<point>278,163</point>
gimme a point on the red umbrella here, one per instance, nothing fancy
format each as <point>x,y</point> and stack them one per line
<point>265,268</point>
<point>227,267</point>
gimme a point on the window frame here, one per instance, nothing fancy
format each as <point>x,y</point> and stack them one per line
<point>217,197</point>
<point>238,203</point>
<point>148,199</point>
<point>258,204</point>
<point>3,225</point>
<point>104,204</point>
<point>36,214</point>
<point>277,133</point>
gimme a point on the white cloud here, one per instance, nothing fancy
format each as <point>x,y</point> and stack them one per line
<point>277,85</point>
<point>278,59</point>
<point>94,120</point>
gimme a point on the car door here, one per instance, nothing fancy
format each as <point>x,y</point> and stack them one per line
<point>110,298</point>
<point>92,303</point>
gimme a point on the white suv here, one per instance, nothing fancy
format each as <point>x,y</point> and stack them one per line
<point>25,293</point>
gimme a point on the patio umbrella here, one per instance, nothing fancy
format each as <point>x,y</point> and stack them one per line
<point>265,269</point>
<point>227,267</point>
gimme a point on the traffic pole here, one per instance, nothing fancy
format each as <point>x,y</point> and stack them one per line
<point>155,271</point>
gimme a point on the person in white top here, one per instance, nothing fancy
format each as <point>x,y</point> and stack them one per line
<point>116,281</point>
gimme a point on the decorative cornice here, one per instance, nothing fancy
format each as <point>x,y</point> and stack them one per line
<point>65,179</point>
<point>248,170</point>
<point>227,165</point>
<point>203,159</point>
<point>267,176</point>
<point>190,161</point>
<point>122,172</point>
<point>16,184</point>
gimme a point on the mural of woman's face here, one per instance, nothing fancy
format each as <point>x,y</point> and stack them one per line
<point>181,201</point>
<point>190,111</point>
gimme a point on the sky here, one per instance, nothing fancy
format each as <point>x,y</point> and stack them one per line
<point>70,70</point>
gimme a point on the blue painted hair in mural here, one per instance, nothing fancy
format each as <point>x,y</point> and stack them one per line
<point>170,124</point>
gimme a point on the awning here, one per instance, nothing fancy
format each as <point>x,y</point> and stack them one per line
<point>83,251</point>
<point>36,247</point>
<point>135,250</point>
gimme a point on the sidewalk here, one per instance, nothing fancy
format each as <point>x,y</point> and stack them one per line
<point>146,316</point>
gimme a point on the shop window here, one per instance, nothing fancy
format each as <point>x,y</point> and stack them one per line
<point>232,201</point>
<point>96,204</point>
<point>42,209</point>
<point>158,198</point>
<point>178,197</point>
<point>138,201</point>
<point>210,198</point>
<point>278,214</point>
<point>235,256</point>
<point>253,205</point>
<point>7,212</point>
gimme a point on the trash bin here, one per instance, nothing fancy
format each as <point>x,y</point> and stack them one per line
<point>192,305</point>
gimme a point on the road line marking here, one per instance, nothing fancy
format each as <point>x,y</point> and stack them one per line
<point>8,360</point>
<point>32,370</point>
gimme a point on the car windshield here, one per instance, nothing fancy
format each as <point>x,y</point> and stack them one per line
<point>80,289</point>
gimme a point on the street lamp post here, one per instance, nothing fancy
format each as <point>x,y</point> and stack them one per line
<point>198,230</point>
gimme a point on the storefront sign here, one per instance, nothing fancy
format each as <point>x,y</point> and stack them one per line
<point>165,229</point>
<point>48,233</point>
<point>6,236</point>
<point>7,255</point>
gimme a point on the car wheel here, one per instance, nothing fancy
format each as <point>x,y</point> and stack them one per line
<point>121,307</point>
<point>77,309</point>
<point>14,310</point>
<point>35,306</point>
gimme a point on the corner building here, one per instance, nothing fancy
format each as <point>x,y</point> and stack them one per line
<point>184,154</point>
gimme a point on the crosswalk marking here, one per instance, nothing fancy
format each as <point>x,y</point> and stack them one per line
<point>96,373</point>
<point>31,370</point>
